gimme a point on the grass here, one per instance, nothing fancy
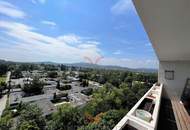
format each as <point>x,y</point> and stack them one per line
<point>2,78</point>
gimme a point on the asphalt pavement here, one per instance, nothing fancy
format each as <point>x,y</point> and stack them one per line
<point>2,104</point>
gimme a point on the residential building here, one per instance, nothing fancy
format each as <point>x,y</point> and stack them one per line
<point>167,25</point>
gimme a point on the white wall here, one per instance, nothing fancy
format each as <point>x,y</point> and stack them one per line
<point>167,25</point>
<point>181,73</point>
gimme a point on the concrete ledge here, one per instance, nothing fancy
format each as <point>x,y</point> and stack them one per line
<point>131,119</point>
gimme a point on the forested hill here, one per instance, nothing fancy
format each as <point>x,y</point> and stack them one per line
<point>112,67</point>
<point>87,65</point>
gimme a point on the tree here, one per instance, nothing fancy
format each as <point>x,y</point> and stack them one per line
<point>28,125</point>
<point>106,121</point>
<point>139,89</point>
<point>28,67</point>
<point>52,74</point>
<point>5,122</point>
<point>82,76</point>
<point>31,118</point>
<point>84,83</point>
<point>58,84</point>
<point>60,97</point>
<point>87,91</point>
<point>35,87</point>
<point>3,84</point>
<point>16,74</point>
<point>3,69</point>
<point>24,67</point>
<point>101,79</point>
<point>115,82</point>
<point>64,75</point>
<point>63,67</point>
<point>139,77</point>
<point>54,96</point>
<point>1,90</point>
<point>65,87</point>
<point>106,98</point>
<point>121,90</point>
<point>49,67</point>
<point>2,87</point>
<point>67,118</point>
<point>128,79</point>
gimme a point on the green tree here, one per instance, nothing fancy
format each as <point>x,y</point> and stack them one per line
<point>35,87</point>
<point>3,69</point>
<point>2,87</point>
<point>28,125</point>
<point>65,87</point>
<point>84,83</point>
<point>107,120</point>
<point>16,74</point>
<point>87,91</point>
<point>63,67</point>
<point>6,122</point>
<point>64,75</point>
<point>67,118</point>
<point>31,118</point>
<point>48,67</point>
<point>52,74</point>
<point>58,84</point>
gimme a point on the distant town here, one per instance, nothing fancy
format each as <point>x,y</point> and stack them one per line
<point>50,88</point>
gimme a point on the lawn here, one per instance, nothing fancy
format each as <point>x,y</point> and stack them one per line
<point>2,78</point>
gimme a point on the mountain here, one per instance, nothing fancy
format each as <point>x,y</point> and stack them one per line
<point>87,65</point>
<point>112,67</point>
<point>2,61</point>
<point>47,63</point>
<point>5,62</point>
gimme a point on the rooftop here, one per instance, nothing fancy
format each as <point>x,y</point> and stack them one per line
<point>46,106</point>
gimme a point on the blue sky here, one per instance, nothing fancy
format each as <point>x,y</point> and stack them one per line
<point>68,31</point>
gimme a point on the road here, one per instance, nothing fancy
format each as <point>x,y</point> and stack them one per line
<point>3,101</point>
<point>8,77</point>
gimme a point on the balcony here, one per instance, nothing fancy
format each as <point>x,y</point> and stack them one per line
<point>144,115</point>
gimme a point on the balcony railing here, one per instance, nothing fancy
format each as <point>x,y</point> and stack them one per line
<point>144,115</point>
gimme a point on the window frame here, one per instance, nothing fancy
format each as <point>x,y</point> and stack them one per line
<point>169,74</point>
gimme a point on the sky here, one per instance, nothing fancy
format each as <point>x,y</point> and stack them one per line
<point>106,32</point>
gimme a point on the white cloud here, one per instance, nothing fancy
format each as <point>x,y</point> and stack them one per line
<point>76,40</point>
<point>93,42</point>
<point>70,38</point>
<point>24,44</point>
<point>12,25</point>
<point>118,52</point>
<point>10,10</point>
<point>33,46</point>
<point>87,46</point>
<point>122,6</point>
<point>50,23</point>
<point>131,63</point>
<point>38,1</point>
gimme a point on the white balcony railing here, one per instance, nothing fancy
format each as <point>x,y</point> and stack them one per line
<point>144,115</point>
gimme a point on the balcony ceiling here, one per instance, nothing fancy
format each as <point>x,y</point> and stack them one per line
<point>167,23</point>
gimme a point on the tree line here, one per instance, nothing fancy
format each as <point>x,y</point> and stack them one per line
<point>120,91</point>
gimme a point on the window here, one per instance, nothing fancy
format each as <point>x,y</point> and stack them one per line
<point>169,74</point>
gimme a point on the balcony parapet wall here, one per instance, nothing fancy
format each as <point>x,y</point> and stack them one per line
<point>144,115</point>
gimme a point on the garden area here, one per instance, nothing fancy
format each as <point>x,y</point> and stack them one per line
<point>2,78</point>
